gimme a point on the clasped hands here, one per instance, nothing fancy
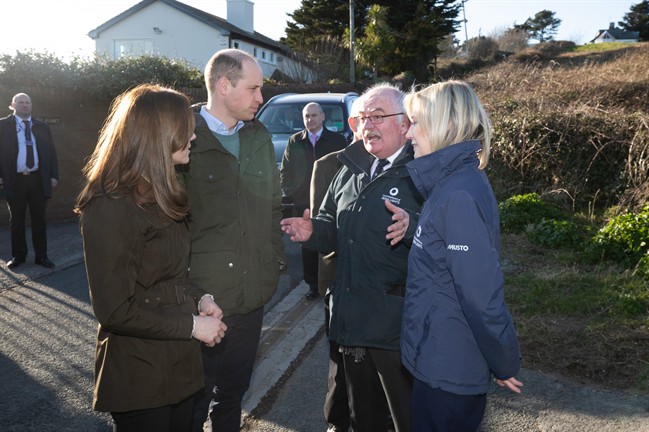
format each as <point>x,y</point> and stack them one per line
<point>210,328</point>
<point>300,229</point>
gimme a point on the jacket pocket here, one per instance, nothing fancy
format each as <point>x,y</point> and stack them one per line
<point>218,274</point>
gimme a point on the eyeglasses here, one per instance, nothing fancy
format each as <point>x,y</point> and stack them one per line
<point>375,119</point>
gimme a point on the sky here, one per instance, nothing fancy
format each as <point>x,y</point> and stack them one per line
<point>61,26</point>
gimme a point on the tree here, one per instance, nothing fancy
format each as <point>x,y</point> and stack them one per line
<point>327,59</point>
<point>542,27</point>
<point>378,39</point>
<point>421,27</point>
<point>317,18</point>
<point>637,19</point>
<point>418,26</point>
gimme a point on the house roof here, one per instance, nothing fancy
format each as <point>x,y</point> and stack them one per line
<point>617,33</point>
<point>204,17</point>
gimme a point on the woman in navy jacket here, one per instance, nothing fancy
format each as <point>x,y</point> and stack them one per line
<point>457,330</point>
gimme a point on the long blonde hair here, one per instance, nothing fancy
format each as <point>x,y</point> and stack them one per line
<point>450,112</point>
<point>134,153</point>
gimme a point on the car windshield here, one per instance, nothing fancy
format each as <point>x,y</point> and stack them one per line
<point>287,118</point>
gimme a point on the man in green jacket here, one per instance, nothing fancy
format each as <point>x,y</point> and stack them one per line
<point>237,250</point>
<point>368,217</point>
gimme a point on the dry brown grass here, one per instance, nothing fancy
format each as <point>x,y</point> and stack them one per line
<point>613,81</point>
<point>575,122</point>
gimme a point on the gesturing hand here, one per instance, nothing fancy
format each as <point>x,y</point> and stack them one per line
<point>299,229</point>
<point>401,219</point>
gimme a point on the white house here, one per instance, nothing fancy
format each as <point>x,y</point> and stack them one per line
<point>175,30</point>
<point>614,34</point>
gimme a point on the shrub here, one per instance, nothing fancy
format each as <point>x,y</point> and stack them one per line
<point>624,239</point>
<point>558,233</point>
<point>98,76</point>
<point>519,211</point>
<point>107,78</point>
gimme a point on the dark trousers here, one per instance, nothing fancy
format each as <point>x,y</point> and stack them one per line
<point>370,382</point>
<point>310,259</point>
<point>28,193</point>
<point>336,405</point>
<point>170,418</point>
<point>228,369</point>
<point>436,410</point>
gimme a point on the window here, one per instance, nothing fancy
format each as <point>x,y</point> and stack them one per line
<point>272,57</point>
<point>263,55</point>
<point>132,47</point>
<point>254,52</point>
<point>235,45</point>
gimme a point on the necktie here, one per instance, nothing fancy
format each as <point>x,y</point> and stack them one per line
<point>314,138</point>
<point>379,167</point>
<point>30,146</point>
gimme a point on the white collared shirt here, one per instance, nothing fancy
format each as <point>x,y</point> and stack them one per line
<point>21,161</point>
<point>390,159</point>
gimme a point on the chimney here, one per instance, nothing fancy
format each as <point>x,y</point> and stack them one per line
<point>610,27</point>
<point>241,14</point>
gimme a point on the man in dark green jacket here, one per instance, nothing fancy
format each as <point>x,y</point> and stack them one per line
<point>237,250</point>
<point>368,217</point>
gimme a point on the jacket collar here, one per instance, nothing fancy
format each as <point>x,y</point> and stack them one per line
<point>429,170</point>
<point>202,130</point>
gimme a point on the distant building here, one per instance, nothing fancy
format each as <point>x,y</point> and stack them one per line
<point>175,30</point>
<point>614,34</point>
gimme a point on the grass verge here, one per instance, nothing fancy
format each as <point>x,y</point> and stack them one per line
<point>587,323</point>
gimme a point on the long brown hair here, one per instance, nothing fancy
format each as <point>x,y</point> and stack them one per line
<point>134,153</point>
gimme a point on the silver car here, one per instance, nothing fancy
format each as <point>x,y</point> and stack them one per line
<point>282,115</point>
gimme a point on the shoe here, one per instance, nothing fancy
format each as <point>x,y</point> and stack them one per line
<point>15,262</point>
<point>44,262</point>
<point>312,294</point>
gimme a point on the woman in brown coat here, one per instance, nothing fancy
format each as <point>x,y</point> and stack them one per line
<point>136,246</point>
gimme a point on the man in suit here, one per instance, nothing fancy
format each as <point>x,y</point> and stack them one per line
<point>28,173</point>
<point>302,150</point>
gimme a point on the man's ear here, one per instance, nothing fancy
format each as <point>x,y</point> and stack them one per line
<point>405,124</point>
<point>222,85</point>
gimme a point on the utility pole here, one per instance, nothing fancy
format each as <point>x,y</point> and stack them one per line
<point>466,34</point>
<point>352,72</point>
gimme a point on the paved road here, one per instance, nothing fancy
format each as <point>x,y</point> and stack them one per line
<point>47,343</point>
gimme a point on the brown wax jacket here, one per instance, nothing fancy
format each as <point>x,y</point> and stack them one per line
<point>136,261</point>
